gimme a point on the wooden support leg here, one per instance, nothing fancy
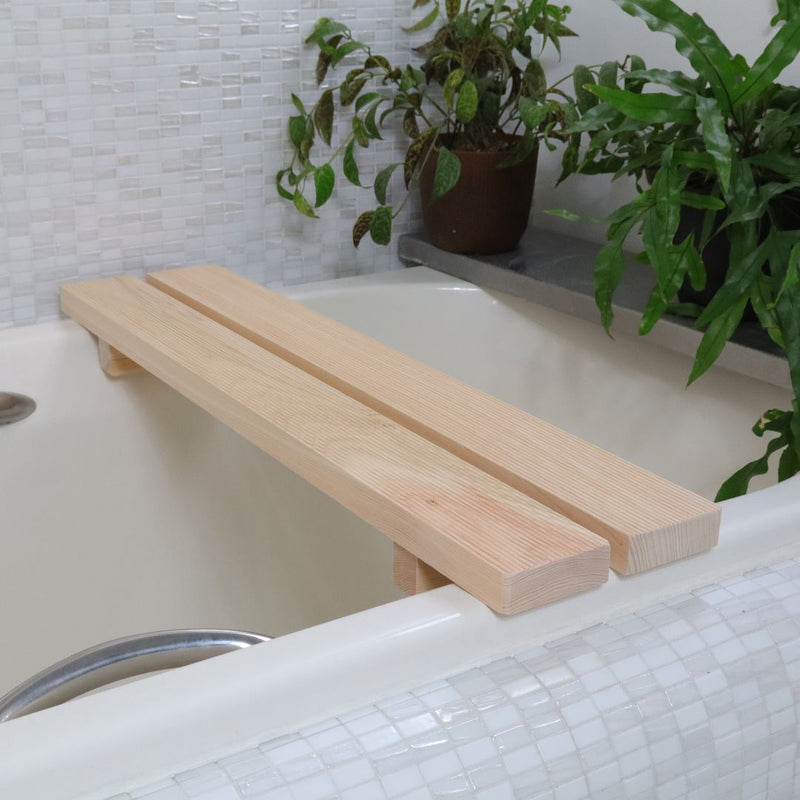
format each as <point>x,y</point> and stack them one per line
<point>414,576</point>
<point>113,363</point>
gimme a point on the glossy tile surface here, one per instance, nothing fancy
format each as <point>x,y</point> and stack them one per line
<point>693,698</point>
<point>139,134</point>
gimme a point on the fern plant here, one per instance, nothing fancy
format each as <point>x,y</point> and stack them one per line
<point>725,143</point>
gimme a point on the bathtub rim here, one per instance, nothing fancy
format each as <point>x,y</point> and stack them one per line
<point>317,673</point>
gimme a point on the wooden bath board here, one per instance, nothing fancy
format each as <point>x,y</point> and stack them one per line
<point>470,488</point>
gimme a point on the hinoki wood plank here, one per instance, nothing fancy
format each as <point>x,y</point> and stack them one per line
<point>414,576</point>
<point>113,363</point>
<point>501,546</point>
<point>648,520</point>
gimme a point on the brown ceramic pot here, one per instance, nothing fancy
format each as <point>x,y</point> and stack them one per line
<point>487,211</point>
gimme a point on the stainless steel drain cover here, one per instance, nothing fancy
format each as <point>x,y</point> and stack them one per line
<point>14,407</point>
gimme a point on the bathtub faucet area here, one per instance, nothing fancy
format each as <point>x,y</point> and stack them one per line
<point>15,407</point>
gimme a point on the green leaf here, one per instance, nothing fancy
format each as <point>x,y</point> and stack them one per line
<point>361,227</point>
<point>777,55</point>
<point>674,263</point>
<point>345,49</point>
<point>448,171</point>
<point>763,302</point>
<point>410,127</point>
<point>381,184</point>
<point>323,65</point>
<point>324,181</point>
<point>633,82</point>
<point>360,132</point>
<point>695,161</point>
<point>792,272</point>
<point>756,204</point>
<point>594,119</point>
<point>452,7</point>
<point>607,75</point>
<point>715,338</point>
<point>298,104</point>
<point>654,107</point>
<point>323,116</point>
<point>375,61</point>
<point>737,484</point>
<point>520,152</point>
<point>695,41</point>
<point>366,99</point>
<point>787,309</point>
<point>450,85</point>
<point>302,205</point>
<point>324,28</point>
<point>786,11</point>
<point>467,103</point>
<point>420,147</point>
<point>370,124</point>
<point>582,78</point>
<point>687,310</point>
<point>534,79</point>
<point>297,130</point>
<point>425,22</point>
<point>282,191</point>
<point>349,165</point>
<point>610,263</point>
<point>675,80</point>
<point>532,113</point>
<point>569,158</point>
<point>794,425</point>
<point>350,89</point>
<point>609,270</point>
<point>742,272</point>
<point>715,136</point>
<point>670,263</point>
<point>788,166</point>
<point>307,143</point>
<point>380,228</point>
<point>696,270</point>
<point>703,202</point>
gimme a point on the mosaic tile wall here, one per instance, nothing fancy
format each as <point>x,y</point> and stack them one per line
<point>696,698</point>
<point>136,134</point>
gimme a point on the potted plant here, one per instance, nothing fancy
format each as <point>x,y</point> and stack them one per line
<point>474,108</point>
<point>715,161</point>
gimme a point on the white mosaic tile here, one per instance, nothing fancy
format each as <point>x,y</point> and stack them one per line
<point>139,135</point>
<point>619,711</point>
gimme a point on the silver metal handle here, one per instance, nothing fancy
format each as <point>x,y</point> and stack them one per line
<point>15,407</point>
<point>118,659</point>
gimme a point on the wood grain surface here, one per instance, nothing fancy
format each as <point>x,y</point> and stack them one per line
<point>505,548</point>
<point>647,520</point>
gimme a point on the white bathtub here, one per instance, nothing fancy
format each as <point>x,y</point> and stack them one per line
<point>126,509</point>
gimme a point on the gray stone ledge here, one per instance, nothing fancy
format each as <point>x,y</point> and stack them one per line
<point>556,271</point>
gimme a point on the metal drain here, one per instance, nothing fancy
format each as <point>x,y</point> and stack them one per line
<point>15,407</point>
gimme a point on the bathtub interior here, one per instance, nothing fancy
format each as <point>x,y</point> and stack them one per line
<point>128,509</point>
<point>624,394</point>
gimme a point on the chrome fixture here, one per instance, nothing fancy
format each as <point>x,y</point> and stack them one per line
<point>116,660</point>
<point>15,407</point>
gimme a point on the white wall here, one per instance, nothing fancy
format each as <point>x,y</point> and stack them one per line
<point>138,134</point>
